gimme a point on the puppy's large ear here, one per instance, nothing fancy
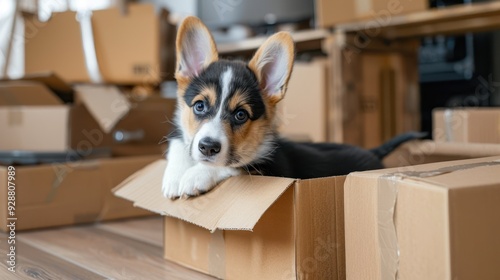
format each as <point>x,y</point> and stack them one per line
<point>195,49</point>
<point>273,63</point>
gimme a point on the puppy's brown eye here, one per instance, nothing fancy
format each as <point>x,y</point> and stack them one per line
<point>241,116</point>
<point>199,107</point>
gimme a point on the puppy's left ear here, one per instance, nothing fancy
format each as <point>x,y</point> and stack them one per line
<point>272,64</point>
<point>196,49</point>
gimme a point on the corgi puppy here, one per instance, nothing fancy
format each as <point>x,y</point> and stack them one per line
<point>226,121</point>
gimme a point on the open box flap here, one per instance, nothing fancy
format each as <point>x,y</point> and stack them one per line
<point>26,93</point>
<point>236,204</point>
<point>447,175</point>
<point>106,104</point>
<point>473,150</point>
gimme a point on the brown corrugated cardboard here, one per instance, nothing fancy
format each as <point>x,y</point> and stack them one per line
<point>106,104</point>
<point>70,193</point>
<point>24,107</point>
<point>432,221</point>
<point>466,125</point>
<point>303,111</point>
<point>250,227</point>
<point>427,151</point>
<point>129,47</point>
<point>148,118</point>
<point>329,13</point>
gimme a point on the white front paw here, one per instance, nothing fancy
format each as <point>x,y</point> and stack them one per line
<point>197,180</point>
<point>170,185</point>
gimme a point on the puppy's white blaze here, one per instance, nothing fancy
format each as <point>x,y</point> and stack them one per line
<point>225,81</point>
<point>214,128</point>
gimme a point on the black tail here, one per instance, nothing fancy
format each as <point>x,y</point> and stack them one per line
<point>389,146</point>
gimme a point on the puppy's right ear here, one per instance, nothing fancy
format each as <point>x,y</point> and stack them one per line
<point>195,50</point>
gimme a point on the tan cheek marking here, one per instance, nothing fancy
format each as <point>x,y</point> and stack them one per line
<point>189,121</point>
<point>248,138</point>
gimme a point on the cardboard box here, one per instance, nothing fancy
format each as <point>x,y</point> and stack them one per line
<point>132,48</point>
<point>331,12</point>
<point>466,125</point>
<point>303,112</point>
<point>250,227</point>
<point>70,193</point>
<point>29,109</point>
<point>146,120</point>
<point>427,151</point>
<point>33,118</point>
<point>432,221</point>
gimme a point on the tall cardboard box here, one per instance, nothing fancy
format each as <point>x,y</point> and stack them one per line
<point>303,113</point>
<point>466,125</point>
<point>432,221</point>
<point>135,47</point>
<point>250,227</point>
<point>69,193</point>
<point>331,12</point>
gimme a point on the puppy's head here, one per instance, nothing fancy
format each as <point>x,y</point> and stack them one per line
<point>226,109</point>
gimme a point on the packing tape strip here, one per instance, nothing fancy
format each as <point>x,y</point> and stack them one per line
<point>448,125</point>
<point>89,52</point>
<point>217,254</point>
<point>387,196</point>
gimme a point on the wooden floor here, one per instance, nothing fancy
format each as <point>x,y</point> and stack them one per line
<point>130,249</point>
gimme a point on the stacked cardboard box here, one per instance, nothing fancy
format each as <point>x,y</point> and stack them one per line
<point>254,227</point>
<point>34,118</point>
<point>303,113</point>
<point>135,46</point>
<point>432,221</point>
<point>466,125</point>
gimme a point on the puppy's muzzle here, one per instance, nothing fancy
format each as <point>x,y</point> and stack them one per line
<point>209,147</point>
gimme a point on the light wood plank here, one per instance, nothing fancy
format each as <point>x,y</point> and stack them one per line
<point>454,19</point>
<point>148,230</point>
<point>108,254</point>
<point>37,264</point>
<point>254,43</point>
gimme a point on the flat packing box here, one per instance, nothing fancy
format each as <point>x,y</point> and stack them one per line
<point>29,108</point>
<point>432,221</point>
<point>33,118</point>
<point>70,193</point>
<point>467,125</point>
<point>331,12</point>
<point>132,47</point>
<point>250,227</point>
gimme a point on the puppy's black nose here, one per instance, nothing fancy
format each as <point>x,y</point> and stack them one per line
<point>209,146</point>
